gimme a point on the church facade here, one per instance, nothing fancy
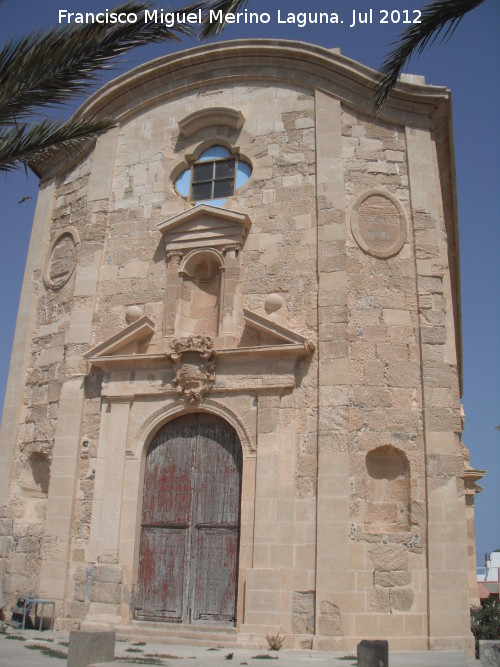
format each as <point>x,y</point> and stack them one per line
<point>234,396</point>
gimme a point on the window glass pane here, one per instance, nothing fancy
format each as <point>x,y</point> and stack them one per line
<point>203,172</point>
<point>243,173</point>
<point>224,169</point>
<point>201,191</point>
<point>223,188</point>
<point>183,182</point>
<point>213,153</point>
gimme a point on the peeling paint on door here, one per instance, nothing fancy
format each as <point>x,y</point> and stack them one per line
<point>190,522</point>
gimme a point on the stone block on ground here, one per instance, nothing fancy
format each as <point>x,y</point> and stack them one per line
<point>373,653</point>
<point>489,652</point>
<point>90,648</point>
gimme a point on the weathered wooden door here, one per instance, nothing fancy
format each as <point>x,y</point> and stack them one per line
<point>190,522</point>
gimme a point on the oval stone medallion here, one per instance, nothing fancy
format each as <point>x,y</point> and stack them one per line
<point>378,224</point>
<point>62,260</point>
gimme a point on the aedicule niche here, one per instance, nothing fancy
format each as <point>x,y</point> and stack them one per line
<point>200,294</point>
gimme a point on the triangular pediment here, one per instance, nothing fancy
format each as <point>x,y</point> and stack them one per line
<point>128,341</point>
<point>262,332</point>
<point>204,226</point>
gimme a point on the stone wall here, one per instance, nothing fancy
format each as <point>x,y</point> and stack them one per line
<point>45,375</point>
<point>387,469</point>
<point>352,498</point>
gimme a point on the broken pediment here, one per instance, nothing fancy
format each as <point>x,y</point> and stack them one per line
<point>261,333</point>
<point>204,226</point>
<point>128,342</point>
<point>261,337</point>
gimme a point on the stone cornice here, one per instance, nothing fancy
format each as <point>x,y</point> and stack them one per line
<point>306,66</point>
<point>143,361</point>
<point>471,476</point>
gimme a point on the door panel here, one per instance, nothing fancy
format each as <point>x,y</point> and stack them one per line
<point>218,473</point>
<point>162,568</point>
<point>168,475</point>
<point>190,522</point>
<point>215,574</point>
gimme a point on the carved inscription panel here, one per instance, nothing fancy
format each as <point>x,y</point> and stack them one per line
<point>378,224</point>
<point>62,259</point>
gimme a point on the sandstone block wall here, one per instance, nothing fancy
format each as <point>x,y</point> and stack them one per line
<point>336,356</point>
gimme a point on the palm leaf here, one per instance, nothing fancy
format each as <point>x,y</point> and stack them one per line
<point>50,68</point>
<point>30,143</point>
<point>227,7</point>
<point>440,18</point>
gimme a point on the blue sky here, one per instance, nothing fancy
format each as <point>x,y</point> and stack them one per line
<point>468,64</point>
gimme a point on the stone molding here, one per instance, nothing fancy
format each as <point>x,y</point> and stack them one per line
<point>209,118</point>
<point>121,351</point>
<point>283,335</point>
<point>55,282</point>
<point>274,60</point>
<point>215,227</point>
<point>175,257</point>
<point>136,333</point>
<point>379,227</point>
<point>141,439</point>
<point>197,251</point>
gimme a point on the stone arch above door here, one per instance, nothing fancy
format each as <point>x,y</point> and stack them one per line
<point>142,439</point>
<point>190,522</point>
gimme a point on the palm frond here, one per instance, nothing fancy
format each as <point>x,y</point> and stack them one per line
<point>29,143</point>
<point>47,69</point>
<point>439,19</point>
<point>211,29</point>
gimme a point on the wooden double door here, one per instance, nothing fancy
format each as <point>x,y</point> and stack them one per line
<point>190,522</point>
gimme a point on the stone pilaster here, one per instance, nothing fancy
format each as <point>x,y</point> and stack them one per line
<point>448,595</point>
<point>332,577</point>
<point>266,484</point>
<point>268,583</point>
<point>56,541</point>
<point>471,488</point>
<point>106,514</point>
<point>231,280</point>
<point>106,508</point>
<point>64,477</point>
<point>172,292</point>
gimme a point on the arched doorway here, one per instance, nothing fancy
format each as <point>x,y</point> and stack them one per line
<point>190,522</point>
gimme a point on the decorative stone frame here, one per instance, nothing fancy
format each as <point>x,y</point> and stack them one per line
<point>211,117</point>
<point>194,157</point>
<point>146,432</point>
<point>220,232</point>
<point>393,246</point>
<point>134,470</point>
<point>50,283</point>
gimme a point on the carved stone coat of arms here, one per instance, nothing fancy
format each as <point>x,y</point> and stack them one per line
<point>193,359</point>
